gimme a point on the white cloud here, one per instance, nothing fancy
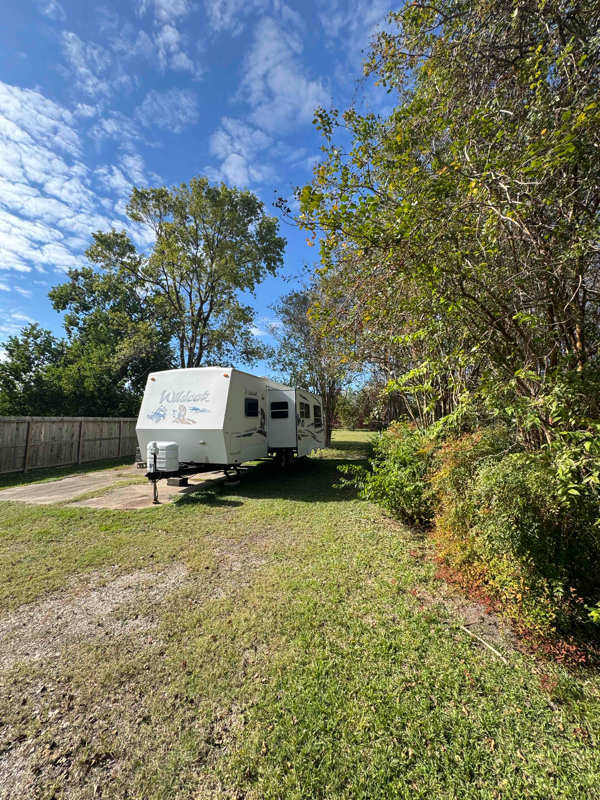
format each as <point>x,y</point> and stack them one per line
<point>275,82</point>
<point>121,180</point>
<point>182,63</point>
<point>265,326</point>
<point>52,9</point>
<point>228,15</point>
<point>47,208</point>
<point>174,109</point>
<point>235,136</point>
<point>112,178</point>
<point>86,111</point>
<point>165,49</point>
<point>4,287</point>
<point>165,10</point>
<point>12,323</point>
<point>27,115</point>
<point>118,127</point>
<point>237,144</point>
<point>354,21</point>
<point>24,292</point>
<point>129,43</point>
<point>134,166</point>
<point>87,62</point>
<point>169,43</point>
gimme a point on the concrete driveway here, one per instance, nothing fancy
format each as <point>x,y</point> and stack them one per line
<point>121,494</point>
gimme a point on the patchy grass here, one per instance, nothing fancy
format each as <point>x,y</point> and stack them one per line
<point>276,640</point>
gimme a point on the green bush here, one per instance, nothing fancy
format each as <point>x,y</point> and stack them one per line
<point>397,479</point>
<point>519,526</point>
<point>504,521</point>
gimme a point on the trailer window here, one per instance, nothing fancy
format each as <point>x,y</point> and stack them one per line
<point>304,411</point>
<point>279,410</point>
<point>317,415</point>
<point>250,407</point>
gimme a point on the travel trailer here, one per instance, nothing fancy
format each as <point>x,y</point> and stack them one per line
<point>207,418</point>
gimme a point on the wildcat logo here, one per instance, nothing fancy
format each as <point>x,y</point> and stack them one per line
<point>183,397</point>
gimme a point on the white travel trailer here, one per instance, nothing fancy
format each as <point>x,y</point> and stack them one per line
<point>221,417</point>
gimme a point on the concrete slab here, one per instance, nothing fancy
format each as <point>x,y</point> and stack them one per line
<point>138,496</point>
<point>67,488</point>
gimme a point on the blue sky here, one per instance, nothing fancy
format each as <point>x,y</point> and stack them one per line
<point>96,98</point>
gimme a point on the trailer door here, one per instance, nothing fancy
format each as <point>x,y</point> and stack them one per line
<point>281,418</point>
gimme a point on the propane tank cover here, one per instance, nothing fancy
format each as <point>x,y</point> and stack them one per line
<point>167,456</point>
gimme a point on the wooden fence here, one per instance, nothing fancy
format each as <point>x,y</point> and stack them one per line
<point>35,442</point>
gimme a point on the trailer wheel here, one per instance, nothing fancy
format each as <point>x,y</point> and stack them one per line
<point>282,459</point>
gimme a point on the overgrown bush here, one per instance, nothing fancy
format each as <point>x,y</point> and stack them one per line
<point>397,479</point>
<point>503,521</point>
<point>518,526</point>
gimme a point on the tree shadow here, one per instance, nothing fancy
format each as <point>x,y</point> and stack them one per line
<point>207,497</point>
<point>310,480</point>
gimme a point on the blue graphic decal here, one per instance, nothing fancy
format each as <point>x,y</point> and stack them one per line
<point>197,410</point>
<point>158,415</point>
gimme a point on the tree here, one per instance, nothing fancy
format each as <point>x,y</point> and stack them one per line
<point>27,385</point>
<point>45,376</point>
<point>211,244</point>
<point>307,354</point>
<point>464,228</point>
<point>349,409</point>
<point>114,324</point>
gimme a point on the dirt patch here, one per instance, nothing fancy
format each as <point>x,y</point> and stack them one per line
<point>83,737</point>
<point>476,617</point>
<point>44,629</point>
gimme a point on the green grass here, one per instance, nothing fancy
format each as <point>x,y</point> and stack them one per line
<point>309,653</point>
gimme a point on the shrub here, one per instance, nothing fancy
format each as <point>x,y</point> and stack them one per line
<point>503,520</point>
<point>397,478</point>
<point>519,526</point>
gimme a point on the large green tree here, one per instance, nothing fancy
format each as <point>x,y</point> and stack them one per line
<point>113,327</point>
<point>211,245</point>
<point>461,231</point>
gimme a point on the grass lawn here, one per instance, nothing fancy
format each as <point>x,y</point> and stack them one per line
<point>281,639</point>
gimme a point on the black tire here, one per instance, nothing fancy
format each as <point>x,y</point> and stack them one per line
<point>282,459</point>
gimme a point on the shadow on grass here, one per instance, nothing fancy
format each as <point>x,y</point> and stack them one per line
<point>307,480</point>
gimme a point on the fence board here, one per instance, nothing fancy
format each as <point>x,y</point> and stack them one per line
<point>38,442</point>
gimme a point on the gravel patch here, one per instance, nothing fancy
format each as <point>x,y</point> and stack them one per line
<point>43,629</point>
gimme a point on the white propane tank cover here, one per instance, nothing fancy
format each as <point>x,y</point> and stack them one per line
<point>151,449</point>
<point>167,459</point>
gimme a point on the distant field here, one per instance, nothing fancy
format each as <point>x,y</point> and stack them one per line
<point>281,639</point>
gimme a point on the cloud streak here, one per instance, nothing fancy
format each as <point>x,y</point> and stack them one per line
<point>275,84</point>
<point>48,207</point>
<point>174,109</point>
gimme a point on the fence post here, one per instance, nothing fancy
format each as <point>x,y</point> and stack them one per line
<point>120,436</point>
<point>79,447</point>
<point>27,446</point>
